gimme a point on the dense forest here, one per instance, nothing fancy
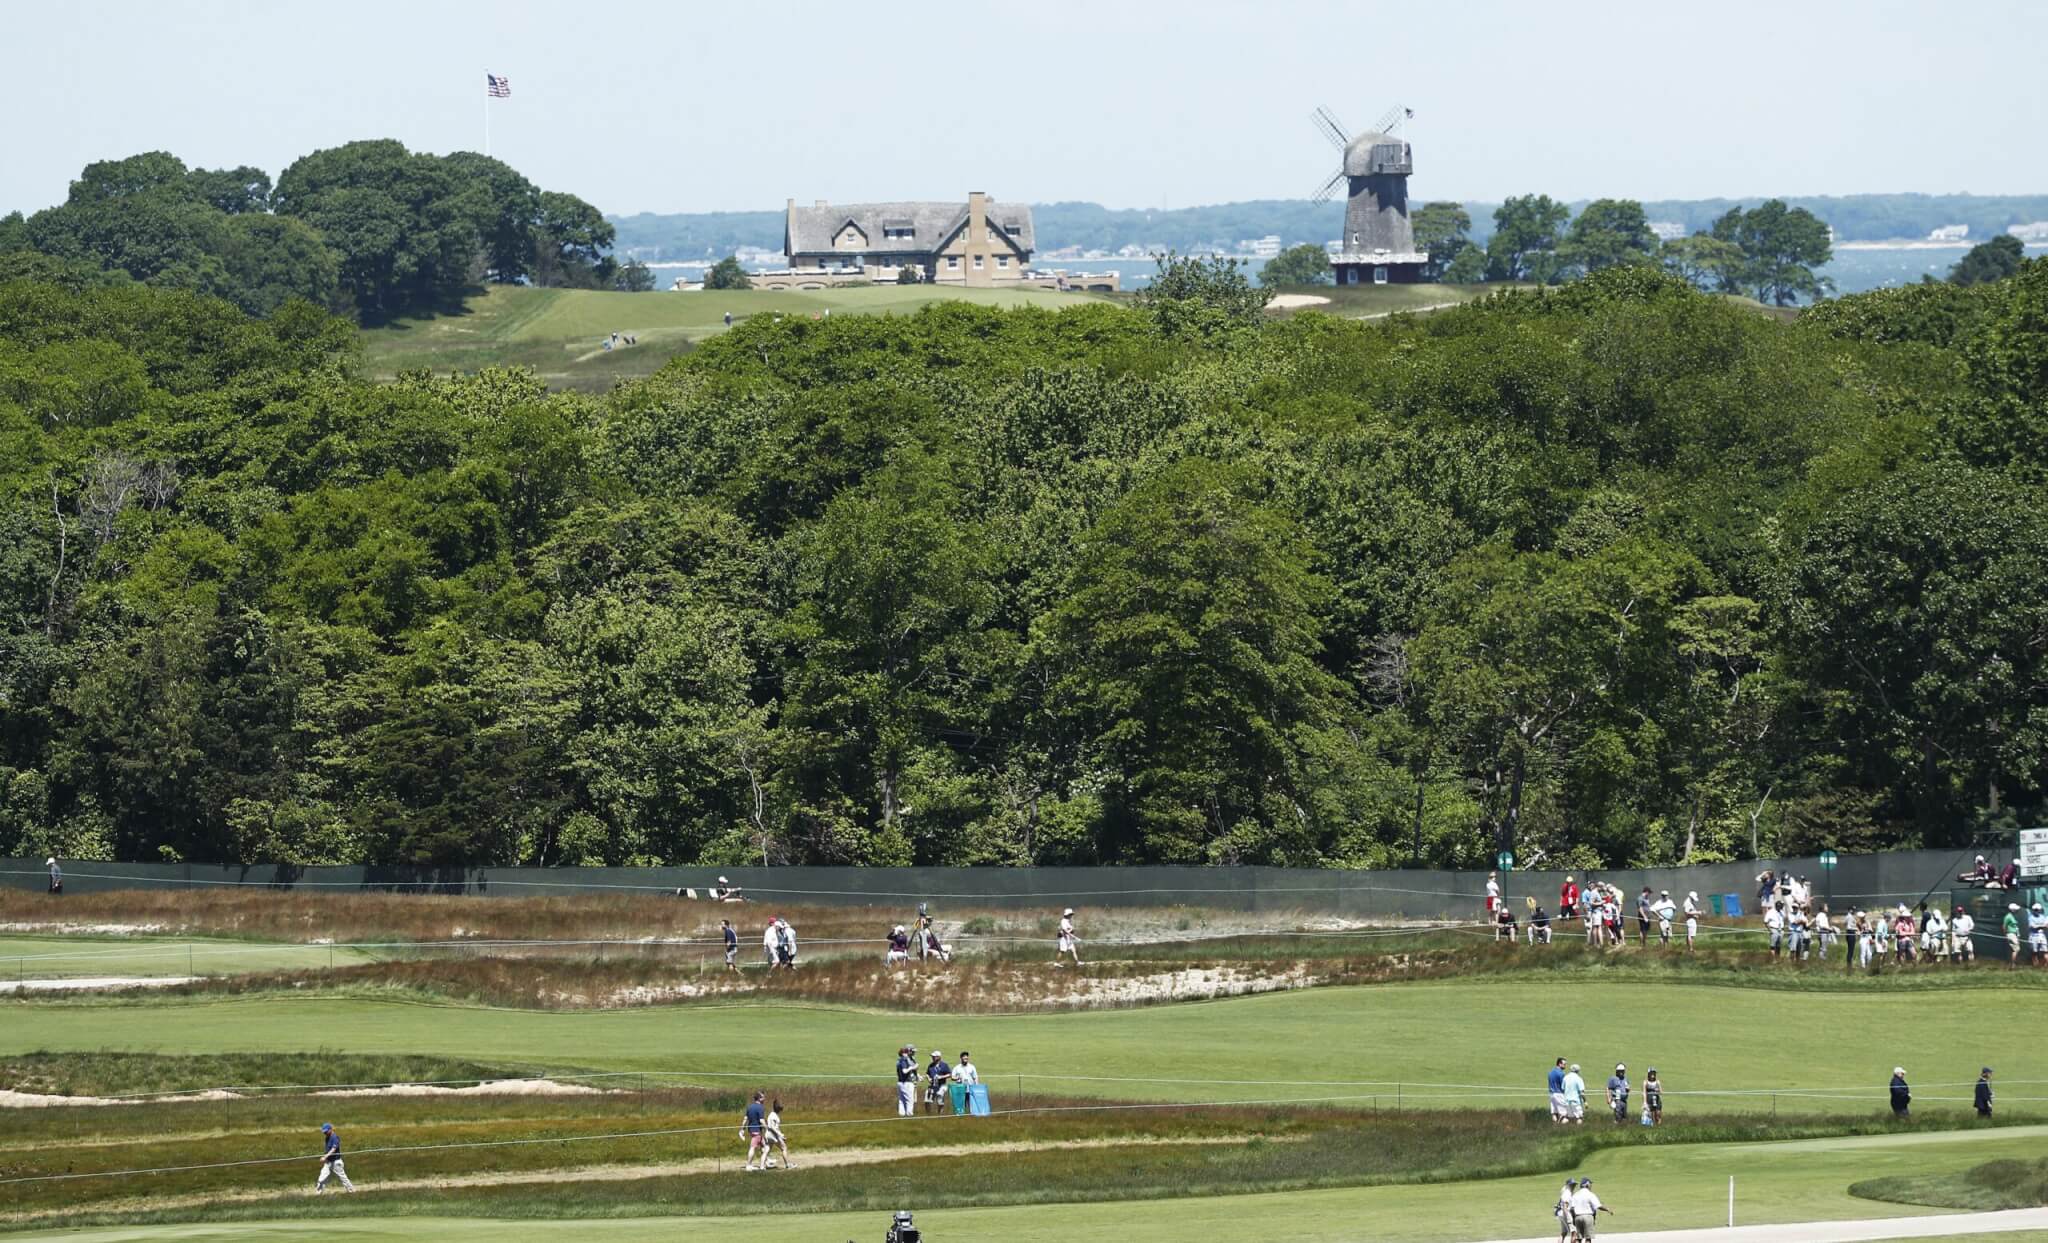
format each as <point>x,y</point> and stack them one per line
<point>1855,217</point>
<point>1615,571</point>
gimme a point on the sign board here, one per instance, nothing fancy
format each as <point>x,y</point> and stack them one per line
<point>1505,860</point>
<point>2034,852</point>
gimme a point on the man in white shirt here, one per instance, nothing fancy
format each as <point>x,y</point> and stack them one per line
<point>965,1072</point>
<point>1774,923</point>
<point>1492,893</point>
<point>1665,909</point>
<point>1934,937</point>
<point>1825,930</point>
<point>1962,941</point>
<point>1585,1208</point>
<point>1692,918</point>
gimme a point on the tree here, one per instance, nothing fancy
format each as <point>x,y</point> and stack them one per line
<point>1202,299</point>
<point>1781,248</point>
<point>2004,419</point>
<point>1989,261</point>
<point>1440,230</point>
<point>635,277</point>
<point>1468,266</point>
<point>909,274</point>
<point>1525,237</point>
<point>572,241</point>
<point>405,235</point>
<point>1608,233</point>
<point>1306,264</point>
<point>236,191</point>
<point>1706,261</point>
<point>728,274</point>
<point>503,207</point>
<point>272,259</point>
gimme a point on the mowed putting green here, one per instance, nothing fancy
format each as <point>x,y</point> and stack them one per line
<point>1679,1186</point>
<point>560,333</point>
<point>28,958</point>
<point>1452,1044</point>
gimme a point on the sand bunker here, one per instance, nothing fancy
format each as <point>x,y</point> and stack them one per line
<point>1289,301</point>
<point>94,981</point>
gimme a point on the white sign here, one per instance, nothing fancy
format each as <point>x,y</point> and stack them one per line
<point>2034,852</point>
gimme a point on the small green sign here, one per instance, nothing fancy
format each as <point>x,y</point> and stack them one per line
<point>1827,859</point>
<point>1505,860</point>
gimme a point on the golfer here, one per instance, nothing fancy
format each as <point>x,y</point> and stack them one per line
<point>1069,944</point>
<point>1586,1208</point>
<point>1556,1088</point>
<point>330,1160</point>
<point>754,1131</point>
<point>1983,1099</point>
<point>906,1081</point>
<point>732,945</point>
<point>1574,1096</point>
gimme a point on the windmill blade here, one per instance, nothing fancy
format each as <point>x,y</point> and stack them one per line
<point>1329,190</point>
<point>1332,129</point>
<point>1391,121</point>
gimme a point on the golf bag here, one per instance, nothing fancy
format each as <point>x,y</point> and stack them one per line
<point>901,1230</point>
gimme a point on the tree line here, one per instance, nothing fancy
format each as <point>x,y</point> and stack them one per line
<point>1608,572</point>
<point>367,228</point>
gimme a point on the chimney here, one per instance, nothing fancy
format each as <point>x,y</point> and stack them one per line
<point>790,205</point>
<point>977,214</point>
<point>818,203</point>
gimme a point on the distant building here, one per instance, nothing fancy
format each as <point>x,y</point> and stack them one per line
<point>2035,232</point>
<point>979,242</point>
<point>1668,230</point>
<point>1266,247</point>
<point>1949,233</point>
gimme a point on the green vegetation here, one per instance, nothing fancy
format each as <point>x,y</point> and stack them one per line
<point>367,227</point>
<point>33,958</point>
<point>2021,1183</point>
<point>1612,572</point>
<point>1989,261</point>
<point>1306,264</point>
<point>115,1074</point>
<point>727,274</point>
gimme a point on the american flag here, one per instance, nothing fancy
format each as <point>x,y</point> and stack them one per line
<point>497,87</point>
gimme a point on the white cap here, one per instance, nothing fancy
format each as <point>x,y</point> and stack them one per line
<point>1621,1066</point>
<point>1898,1070</point>
<point>1694,895</point>
<point>721,880</point>
<point>1068,911</point>
<point>50,862</point>
<point>1575,1065</point>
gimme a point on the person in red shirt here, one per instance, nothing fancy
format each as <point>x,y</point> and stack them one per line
<point>1567,899</point>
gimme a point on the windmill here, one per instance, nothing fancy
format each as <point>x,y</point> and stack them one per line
<point>1378,245</point>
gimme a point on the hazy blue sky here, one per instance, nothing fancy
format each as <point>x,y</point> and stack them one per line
<point>688,107</point>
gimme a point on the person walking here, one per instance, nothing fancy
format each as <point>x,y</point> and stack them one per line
<point>2012,932</point>
<point>1555,1085</point>
<point>906,1081</point>
<point>56,875</point>
<point>1653,1097</point>
<point>1068,943</point>
<point>785,943</point>
<point>1962,937</point>
<point>1983,1095</point>
<point>2037,935</point>
<point>771,1136</point>
<point>1902,1096</point>
<point>936,1076</point>
<point>732,946</point>
<point>770,943</point>
<point>728,319</point>
<point>755,1131</point>
<point>1586,1209</point>
<point>1617,1092</point>
<point>1563,1211</point>
<point>1574,1096</point>
<point>330,1159</point>
<point>1692,919</point>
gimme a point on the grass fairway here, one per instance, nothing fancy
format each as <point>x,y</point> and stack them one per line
<point>1666,1187</point>
<point>560,332</point>
<point>1469,1034</point>
<point>46,958</point>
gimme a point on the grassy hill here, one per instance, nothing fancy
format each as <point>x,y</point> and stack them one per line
<point>560,333</point>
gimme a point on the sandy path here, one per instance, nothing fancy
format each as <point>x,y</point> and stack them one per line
<point>615,1173</point>
<point>94,981</point>
<point>1289,301</point>
<point>1837,1231</point>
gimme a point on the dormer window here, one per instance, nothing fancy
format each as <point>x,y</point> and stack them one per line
<point>902,232</point>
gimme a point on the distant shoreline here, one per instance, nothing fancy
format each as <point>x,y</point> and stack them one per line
<point>1916,244</point>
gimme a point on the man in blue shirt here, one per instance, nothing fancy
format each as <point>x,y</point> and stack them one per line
<point>936,1077</point>
<point>755,1131</point>
<point>330,1160</point>
<point>1556,1085</point>
<point>732,946</point>
<point>906,1081</point>
<point>1617,1092</point>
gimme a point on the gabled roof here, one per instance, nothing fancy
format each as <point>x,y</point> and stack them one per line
<point>810,230</point>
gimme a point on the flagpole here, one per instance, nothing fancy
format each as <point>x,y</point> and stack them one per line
<point>487,123</point>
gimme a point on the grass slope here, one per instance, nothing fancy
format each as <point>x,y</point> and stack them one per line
<point>1993,1185</point>
<point>1468,1032</point>
<point>1651,1188</point>
<point>559,332</point>
<point>43,958</point>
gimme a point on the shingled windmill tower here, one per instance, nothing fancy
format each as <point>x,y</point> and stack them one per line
<point>1378,246</point>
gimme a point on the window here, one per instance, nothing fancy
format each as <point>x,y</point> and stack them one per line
<point>953,261</point>
<point>821,263</point>
<point>987,234</point>
<point>1379,276</point>
<point>977,263</point>
<point>898,231</point>
<point>1354,239</point>
<point>1002,261</point>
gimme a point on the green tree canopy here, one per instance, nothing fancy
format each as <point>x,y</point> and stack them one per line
<point>1607,233</point>
<point>1989,261</point>
<point>728,274</point>
<point>1306,264</point>
<point>1781,248</point>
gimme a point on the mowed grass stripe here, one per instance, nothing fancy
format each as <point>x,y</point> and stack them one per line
<point>1658,1188</point>
<point>1480,1032</point>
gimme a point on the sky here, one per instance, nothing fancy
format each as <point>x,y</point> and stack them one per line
<point>676,107</point>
